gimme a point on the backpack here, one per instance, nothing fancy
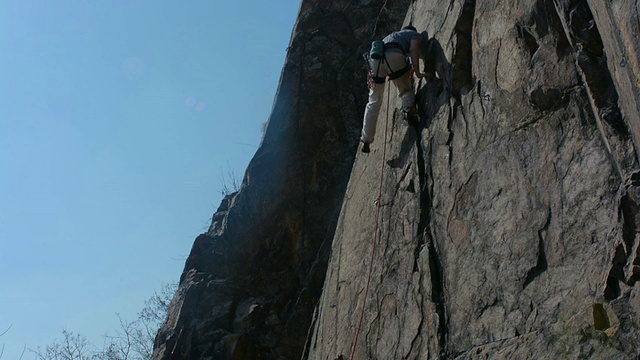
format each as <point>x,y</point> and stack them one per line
<point>377,50</point>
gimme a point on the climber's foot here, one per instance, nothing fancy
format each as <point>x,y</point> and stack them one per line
<point>411,117</point>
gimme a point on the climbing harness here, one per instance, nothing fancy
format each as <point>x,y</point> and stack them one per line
<point>375,236</point>
<point>378,52</point>
<point>371,83</point>
<point>398,73</point>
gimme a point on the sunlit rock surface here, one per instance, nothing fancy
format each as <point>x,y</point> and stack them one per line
<point>508,217</point>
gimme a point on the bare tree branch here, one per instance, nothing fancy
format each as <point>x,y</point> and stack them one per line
<point>230,183</point>
<point>132,341</point>
<point>23,351</point>
<point>6,331</point>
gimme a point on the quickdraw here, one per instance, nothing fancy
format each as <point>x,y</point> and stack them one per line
<point>371,83</point>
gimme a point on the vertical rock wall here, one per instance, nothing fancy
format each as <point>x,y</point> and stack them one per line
<point>509,215</point>
<point>251,283</point>
<point>619,29</point>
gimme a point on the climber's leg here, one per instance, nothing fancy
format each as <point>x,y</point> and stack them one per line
<point>371,114</point>
<point>405,90</point>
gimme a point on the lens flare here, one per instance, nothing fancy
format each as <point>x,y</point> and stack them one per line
<point>191,101</point>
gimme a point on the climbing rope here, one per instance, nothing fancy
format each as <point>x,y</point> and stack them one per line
<point>375,236</point>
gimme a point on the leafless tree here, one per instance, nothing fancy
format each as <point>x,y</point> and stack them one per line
<point>2,334</point>
<point>231,182</point>
<point>71,347</point>
<point>132,341</point>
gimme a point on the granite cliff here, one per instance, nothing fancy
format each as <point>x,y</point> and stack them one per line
<point>507,219</point>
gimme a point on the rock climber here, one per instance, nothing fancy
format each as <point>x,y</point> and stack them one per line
<point>393,64</point>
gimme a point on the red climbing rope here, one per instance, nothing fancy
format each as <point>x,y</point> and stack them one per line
<point>375,236</point>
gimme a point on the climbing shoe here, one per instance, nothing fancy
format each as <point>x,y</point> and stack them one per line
<point>365,148</point>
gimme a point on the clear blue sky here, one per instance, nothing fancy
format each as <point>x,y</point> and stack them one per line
<point>118,119</point>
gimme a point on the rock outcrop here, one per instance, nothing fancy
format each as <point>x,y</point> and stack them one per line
<point>251,283</point>
<point>508,217</point>
<point>503,226</point>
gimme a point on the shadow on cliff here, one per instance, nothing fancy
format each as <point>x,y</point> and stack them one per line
<point>437,90</point>
<point>431,94</point>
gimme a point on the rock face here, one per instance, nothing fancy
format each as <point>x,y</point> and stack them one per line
<point>508,217</point>
<point>504,225</point>
<point>251,283</point>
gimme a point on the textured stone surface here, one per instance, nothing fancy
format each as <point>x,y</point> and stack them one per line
<point>507,222</point>
<point>251,283</point>
<point>509,215</point>
<point>619,28</point>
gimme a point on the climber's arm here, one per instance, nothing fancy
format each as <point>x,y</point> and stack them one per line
<point>415,57</point>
